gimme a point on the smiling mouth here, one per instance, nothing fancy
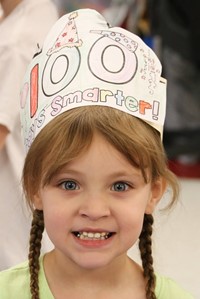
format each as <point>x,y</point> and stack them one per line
<point>93,235</point>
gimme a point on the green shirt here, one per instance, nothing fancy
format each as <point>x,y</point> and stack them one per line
<point>14,284</point>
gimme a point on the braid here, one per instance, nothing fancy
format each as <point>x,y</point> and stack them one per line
<point>34,251</point>
<point>146,256</point>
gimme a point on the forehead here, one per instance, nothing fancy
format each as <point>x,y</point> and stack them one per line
<point>101,157</point>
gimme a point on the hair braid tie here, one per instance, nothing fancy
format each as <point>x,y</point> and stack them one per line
<point>145,246</point>
<point>37,229</point>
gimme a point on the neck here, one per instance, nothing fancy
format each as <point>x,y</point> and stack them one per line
<point>120,279</point>
<point>112,274</point>
<point>8,6</point>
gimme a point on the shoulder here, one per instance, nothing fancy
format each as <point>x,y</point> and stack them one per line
<point>18,280</point>
<point>166,288</point>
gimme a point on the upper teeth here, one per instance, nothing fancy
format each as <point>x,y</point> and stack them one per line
<point>91,235</point>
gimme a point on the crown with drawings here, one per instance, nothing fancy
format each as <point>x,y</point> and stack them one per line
<point>85,62</point>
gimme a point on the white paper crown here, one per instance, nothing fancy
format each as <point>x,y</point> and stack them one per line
<point>85,62</point>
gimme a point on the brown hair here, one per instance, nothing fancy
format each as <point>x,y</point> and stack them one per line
<point>69,135</point>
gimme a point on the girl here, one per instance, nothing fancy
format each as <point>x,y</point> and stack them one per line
<point>95,167</point>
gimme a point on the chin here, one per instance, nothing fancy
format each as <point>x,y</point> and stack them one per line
<point>92,263</point>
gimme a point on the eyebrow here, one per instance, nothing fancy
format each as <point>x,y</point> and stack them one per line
<point>113,175</point>
<point>125,175</point>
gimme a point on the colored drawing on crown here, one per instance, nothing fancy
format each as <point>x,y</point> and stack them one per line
<point>68,36</point>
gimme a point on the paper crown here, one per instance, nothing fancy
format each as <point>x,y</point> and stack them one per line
<point>85,62</point>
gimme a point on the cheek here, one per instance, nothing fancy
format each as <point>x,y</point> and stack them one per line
<point>53,208</point>
<point>55,221</point>
<point>130,230</point>
<point>132,221</point>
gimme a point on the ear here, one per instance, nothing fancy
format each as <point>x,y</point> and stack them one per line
<point>37,202</point>
<point>157,190</point>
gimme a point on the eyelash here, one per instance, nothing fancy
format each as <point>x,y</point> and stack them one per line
<point>64,183</point>
<point>126,185</point>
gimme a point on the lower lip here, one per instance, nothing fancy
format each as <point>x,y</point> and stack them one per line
<point>93,243</point>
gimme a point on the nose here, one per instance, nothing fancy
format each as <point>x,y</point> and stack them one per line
<point>94,206</point>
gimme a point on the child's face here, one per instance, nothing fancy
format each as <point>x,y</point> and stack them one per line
<point>94,207</point>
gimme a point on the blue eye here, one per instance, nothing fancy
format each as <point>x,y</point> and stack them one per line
<point>69,185</point>
<point>120,187</point>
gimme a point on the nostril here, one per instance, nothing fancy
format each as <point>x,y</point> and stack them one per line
<point>94,211</point>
